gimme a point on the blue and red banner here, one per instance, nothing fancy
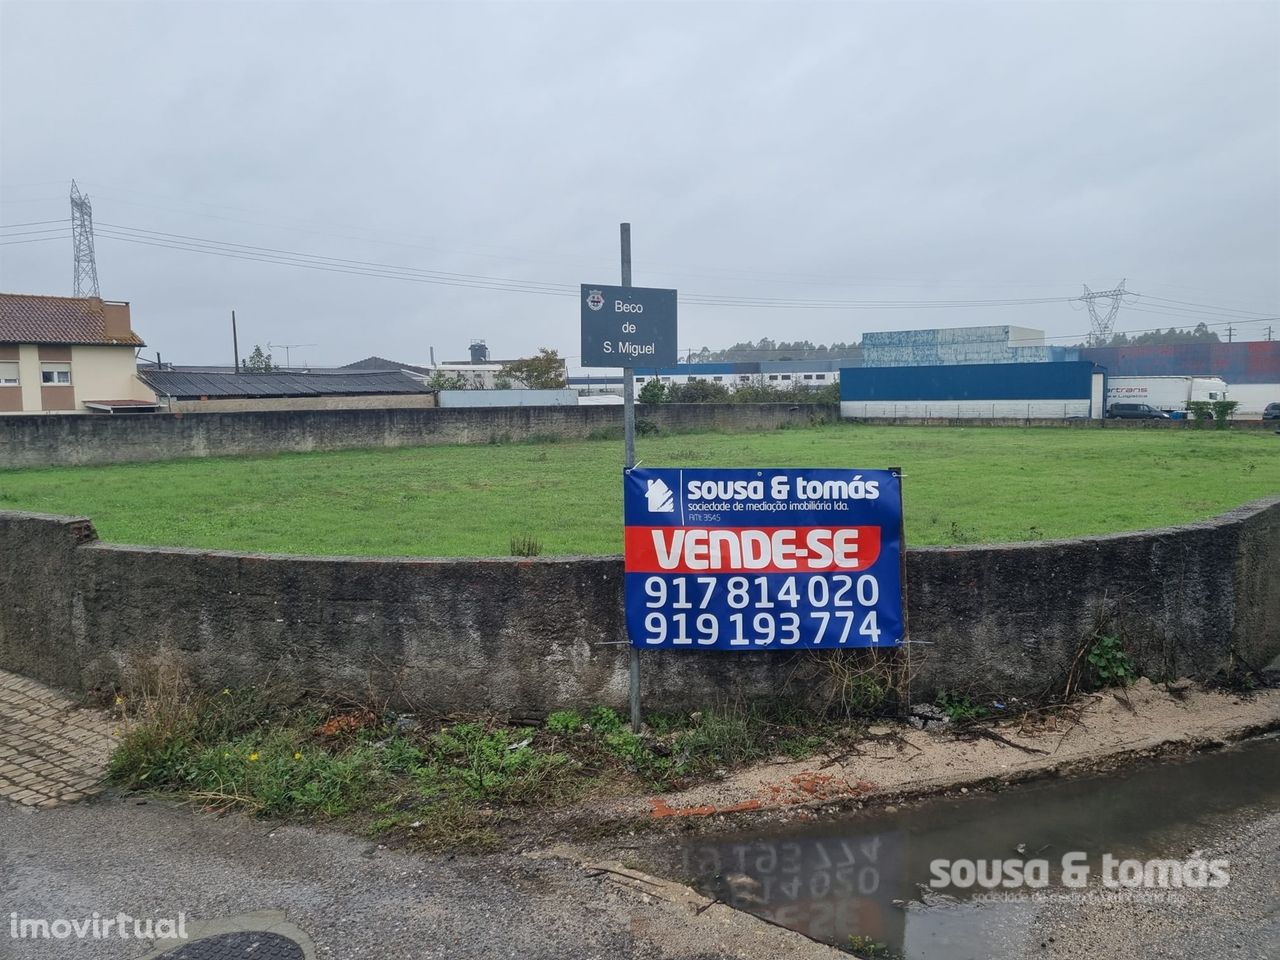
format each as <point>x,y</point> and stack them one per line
<point>752,560</point>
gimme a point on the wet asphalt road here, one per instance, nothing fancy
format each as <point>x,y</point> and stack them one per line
<point>354,900</point>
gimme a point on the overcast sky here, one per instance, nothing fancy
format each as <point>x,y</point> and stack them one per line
<point>816,152</point>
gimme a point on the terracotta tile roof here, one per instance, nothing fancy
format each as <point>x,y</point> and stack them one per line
<point>27,318</point>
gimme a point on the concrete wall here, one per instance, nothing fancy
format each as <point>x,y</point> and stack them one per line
<point>518,397</point>
<point>527,636</point>
<point>77,440</point>
<point>253,404</point>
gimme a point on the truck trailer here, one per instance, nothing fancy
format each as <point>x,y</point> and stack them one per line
<point>1170,394</point>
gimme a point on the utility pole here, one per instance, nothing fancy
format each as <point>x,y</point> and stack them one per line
<point>629,458</point>
<point>235,343</point>
<point>1231,332</point>
<point>1268,333</point>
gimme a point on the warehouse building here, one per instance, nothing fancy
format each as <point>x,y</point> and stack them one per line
<point>978,390</point>
<point>941,347</point>
<point>782,374</point>
<point>1250,369</point>
<point>192,391</point>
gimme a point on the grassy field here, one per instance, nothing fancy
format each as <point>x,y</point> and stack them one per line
<point>961,486</point>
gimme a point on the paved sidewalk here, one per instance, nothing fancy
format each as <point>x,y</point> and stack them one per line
<point>52,751</point>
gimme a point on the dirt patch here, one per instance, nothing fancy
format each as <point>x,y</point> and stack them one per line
<point>896,760</point>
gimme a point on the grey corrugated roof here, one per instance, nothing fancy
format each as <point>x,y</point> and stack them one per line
<point>193,386</point>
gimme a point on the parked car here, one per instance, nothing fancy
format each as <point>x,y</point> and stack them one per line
<point>1135,411</point>
<point>1271,412</point>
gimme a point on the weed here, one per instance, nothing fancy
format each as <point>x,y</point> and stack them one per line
<point>853,683</point>
<point>490,765</point>
<point>960,708</point>
<point>525,546</point>
<point>1111,665</point>
<point>871,949</point>
<point>565,722</point>
<point>801,747</point>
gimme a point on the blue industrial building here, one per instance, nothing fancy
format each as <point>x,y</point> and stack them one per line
<point>1049,389</point>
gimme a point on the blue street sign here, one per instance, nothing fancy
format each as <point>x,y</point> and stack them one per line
<point>750,560</point>
<point>628,326</point>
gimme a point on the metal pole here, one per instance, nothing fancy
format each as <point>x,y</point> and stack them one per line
<point>235,342</point>
<point>629,456</point>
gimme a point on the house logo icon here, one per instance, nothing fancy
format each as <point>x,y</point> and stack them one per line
<point>659,496</point>
<point>595,299</point>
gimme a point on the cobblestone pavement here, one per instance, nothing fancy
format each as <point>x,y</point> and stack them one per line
<point>52,751</point>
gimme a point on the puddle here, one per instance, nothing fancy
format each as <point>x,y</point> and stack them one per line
<point>839,879</point>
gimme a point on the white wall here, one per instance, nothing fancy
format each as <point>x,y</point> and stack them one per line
<point>106,373</point>
<point>963,409</point>
<point>508,398</point>
<point>1253,397</point>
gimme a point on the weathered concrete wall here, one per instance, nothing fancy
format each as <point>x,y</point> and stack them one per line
<point>251,404</point>
<point>527,636</point>
<point>39,575</point>
<point>66,440</point>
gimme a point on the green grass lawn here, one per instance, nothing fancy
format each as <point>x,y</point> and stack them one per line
<point>970,485</point>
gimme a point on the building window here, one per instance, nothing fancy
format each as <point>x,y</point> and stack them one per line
<point>717,379</point>
<point>808,376</point>
<point>744,378</point>
<point>55,374</point>
<point>821,376</point>
<point>773,376</point>
<point>786,376</point>
<point>8,374</point>
<point>639,379</point>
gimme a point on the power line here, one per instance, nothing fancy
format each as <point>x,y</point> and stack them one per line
<point>1191,304</point>
<point>11,243</point>
<point>33,223</point>
<point>193,244</point>
<point>60,231</point>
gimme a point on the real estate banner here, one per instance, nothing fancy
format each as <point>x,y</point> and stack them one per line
<point>754,560</point>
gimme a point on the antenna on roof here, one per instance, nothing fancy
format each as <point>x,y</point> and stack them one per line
<point>86,283</point>
<point>286,347</point>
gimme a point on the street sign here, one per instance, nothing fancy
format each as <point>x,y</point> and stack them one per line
<point>628,326</point>
<point>751,560</point>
